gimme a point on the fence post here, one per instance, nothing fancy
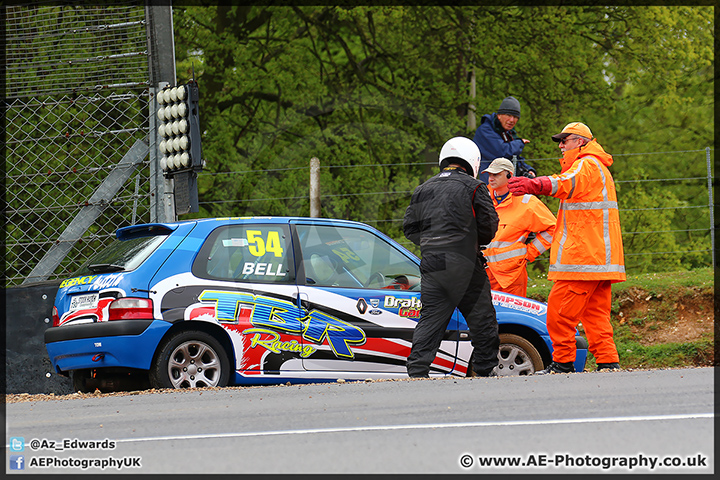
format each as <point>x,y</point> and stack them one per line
<point>471,119</point>
<point>315,187</point>
<point>710,200</point>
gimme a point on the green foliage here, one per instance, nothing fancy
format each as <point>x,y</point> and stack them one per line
<point>648,227</point>
<point>665,291</point>
<point>633,355</point>
<point>666,355</point>
<point>374,92</point>
<point>665,283</point>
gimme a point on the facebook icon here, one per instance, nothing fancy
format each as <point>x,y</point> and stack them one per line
<point>17,462</point>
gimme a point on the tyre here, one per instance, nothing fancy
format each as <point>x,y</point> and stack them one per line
<point>190,359</point>
<point>80,381</point>
<point>517,356</point>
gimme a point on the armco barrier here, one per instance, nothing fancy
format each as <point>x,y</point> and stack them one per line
<point>28,313</point>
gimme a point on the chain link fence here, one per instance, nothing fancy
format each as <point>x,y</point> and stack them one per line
<point>77,87</point>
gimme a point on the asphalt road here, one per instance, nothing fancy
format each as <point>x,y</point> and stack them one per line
<point>609,422</point>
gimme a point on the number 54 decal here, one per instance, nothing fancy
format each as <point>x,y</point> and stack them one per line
<point>259,246</point>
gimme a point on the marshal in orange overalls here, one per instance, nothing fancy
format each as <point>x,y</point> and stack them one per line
<point>586,255</point>
<point>508,254</point>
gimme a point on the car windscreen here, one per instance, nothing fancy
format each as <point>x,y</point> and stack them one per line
<point>121,256</point>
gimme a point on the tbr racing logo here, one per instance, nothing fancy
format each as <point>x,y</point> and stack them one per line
<point>518,303</point>
<point>272,317</point>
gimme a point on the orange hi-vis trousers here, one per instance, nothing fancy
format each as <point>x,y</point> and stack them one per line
<point>574,301</point>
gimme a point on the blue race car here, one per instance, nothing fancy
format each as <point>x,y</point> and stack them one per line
<point>263,300</point>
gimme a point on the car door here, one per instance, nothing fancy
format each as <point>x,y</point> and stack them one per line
<point>250,289</point>
<point>361,293</point>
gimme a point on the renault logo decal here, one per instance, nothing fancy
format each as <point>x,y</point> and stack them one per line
<point>362,305</point>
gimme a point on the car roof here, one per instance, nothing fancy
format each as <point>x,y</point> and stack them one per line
<point>272,219</point>
<point>145,229</point>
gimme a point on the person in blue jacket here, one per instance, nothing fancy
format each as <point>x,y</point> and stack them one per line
<point>496,137</point>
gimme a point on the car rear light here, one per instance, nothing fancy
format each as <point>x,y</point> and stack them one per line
<point>55,317</point>
<point>129,308</point>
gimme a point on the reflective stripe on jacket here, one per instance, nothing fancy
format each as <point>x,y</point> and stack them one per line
<point>508,254</point>
<point>587,244</point>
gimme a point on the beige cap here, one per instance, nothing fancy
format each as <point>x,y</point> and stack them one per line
<point>500,164</point>
<point>575,127</point>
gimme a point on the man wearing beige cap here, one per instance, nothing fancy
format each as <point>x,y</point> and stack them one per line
<point>508,253</point>
<point>586,255</point>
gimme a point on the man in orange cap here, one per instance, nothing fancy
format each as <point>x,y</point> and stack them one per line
<point>511,249</point>
<point>586,255</point>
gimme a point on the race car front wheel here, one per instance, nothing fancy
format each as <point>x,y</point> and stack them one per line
<point>190,359</point>
<point>517,356</point>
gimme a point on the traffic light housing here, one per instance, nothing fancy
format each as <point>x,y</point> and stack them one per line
<point>179,129</point>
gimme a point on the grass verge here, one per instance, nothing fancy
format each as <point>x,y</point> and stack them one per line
<point>660,320</point>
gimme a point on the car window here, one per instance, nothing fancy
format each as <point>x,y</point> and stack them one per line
<point>258,253</point>
<point>352,257</point>
<point>121,255</point>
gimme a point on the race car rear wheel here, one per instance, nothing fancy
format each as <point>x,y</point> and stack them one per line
<point>190,359</point>
<point>80,379</point>
<point>517,356</point>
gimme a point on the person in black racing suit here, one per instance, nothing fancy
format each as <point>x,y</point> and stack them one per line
<point>450,216</point>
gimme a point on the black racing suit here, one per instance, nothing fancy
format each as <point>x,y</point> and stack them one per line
<point>449,217</point>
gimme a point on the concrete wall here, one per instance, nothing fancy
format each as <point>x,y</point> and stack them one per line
<point>28,312</point>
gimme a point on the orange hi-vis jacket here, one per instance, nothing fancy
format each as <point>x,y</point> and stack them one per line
<point>587,244</point>
<point>507,254</point>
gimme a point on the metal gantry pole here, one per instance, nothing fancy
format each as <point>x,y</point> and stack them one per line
<point>161,46</point>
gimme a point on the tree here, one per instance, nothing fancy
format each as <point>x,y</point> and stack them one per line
<point>374,92</point>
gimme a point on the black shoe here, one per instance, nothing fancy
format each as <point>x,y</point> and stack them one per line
<point>608,366</point>
<point>556,367</point>
<point>419,375</point>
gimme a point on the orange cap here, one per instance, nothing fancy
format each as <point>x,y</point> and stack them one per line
<point>575,127</point>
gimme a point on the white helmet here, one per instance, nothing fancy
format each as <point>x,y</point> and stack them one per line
<point>461,149</point>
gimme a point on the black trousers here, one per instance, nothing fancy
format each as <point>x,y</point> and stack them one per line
<point>450,281</point>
